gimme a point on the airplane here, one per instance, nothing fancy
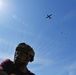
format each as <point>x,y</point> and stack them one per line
<point>49,16</point>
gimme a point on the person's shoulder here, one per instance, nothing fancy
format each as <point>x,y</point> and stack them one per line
<point>30,73</point>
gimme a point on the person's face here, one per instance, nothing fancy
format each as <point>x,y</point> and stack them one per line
<point>21,58</point>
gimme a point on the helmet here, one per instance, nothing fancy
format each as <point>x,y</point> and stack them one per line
<point>26,48</point>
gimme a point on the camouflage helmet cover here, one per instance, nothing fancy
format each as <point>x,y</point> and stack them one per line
<point>26,48</point>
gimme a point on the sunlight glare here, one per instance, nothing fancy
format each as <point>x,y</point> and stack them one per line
<point>1,4</point>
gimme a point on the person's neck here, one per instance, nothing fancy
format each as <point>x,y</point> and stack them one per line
<point>23,69</point>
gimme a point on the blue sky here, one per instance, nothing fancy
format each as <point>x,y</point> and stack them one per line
<point>54,40</point>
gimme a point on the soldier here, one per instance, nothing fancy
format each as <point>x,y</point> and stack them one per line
<point>23,55</point>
